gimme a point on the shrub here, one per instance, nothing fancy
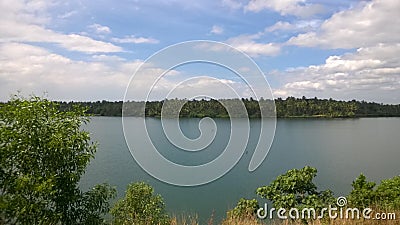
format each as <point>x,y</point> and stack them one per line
<point>140,206</point>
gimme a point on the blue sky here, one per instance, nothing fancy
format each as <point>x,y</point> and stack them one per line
<point>88,50</point>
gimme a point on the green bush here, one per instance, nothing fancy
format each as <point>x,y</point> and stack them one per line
<point>295,189</point>
<point>140,206</point>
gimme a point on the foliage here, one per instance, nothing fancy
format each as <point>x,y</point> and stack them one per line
<point>140,206</point>
<point>289,107</point>
<point>388,193</point>
<point>43,156</point>
<point>295,189</point>
<point>363,194</point>
<point>244,208</point>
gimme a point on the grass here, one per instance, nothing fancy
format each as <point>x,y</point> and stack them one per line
<point>193,220</point>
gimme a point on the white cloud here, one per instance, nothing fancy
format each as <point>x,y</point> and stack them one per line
<point>247,44</point>
<point>217,30</point>
<point>285,7</point>
<point>371,73</point>
<point>35,70</point>
<point>367,24</point>
<point>99,29</point>
<point>301,25</point>
<point>21,22</point>
<point>135,40</point>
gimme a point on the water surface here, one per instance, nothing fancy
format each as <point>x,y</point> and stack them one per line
<point>340,149</point>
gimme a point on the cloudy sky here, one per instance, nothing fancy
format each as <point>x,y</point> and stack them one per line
<point>88,50</point>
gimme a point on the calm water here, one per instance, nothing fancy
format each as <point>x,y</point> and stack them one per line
<point>340,149</point>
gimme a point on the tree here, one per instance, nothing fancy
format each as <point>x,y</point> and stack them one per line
<point>44,153</point>
<point>140,206</point>
<point>385,195</point>
<point>388,193</point>
<point>295,189</point>
<point>363,194</point>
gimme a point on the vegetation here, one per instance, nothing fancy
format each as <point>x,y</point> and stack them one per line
<point>386,195</point>
<point>244,208</point>
<point>140,206</point>
<point>295,189</point>
<point>289,107</point>
<point>43,156</point>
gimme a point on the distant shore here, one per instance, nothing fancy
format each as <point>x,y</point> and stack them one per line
<point>285,108</point>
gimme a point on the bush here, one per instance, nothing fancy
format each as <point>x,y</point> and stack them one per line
<point>140,206</point>
<point>295,189</point>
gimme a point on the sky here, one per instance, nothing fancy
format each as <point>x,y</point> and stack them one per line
<point>89,50</point>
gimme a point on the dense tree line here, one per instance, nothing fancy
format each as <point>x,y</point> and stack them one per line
<point>289,107</point>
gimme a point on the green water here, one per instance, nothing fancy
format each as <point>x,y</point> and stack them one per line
<point>339,148</point>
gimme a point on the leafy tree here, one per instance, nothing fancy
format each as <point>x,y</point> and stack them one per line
<point>43,156</point>
<point>244,208</point>
<point>295,189</point>
<point>140,206</point>
<point>367,194</point>
<point>388,193</point>
<point>363,194</point>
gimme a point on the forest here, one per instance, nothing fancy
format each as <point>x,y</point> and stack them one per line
<point>290,107</point>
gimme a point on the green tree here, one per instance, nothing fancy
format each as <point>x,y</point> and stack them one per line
<point>388,193</point>
<point>363,194</point>
<point>295,189</point>
<point>140,206</point>
<point>44,153</point>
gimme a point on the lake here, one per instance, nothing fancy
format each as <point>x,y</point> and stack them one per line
<point>340,149</point>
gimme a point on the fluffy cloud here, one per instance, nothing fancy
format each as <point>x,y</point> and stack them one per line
<point>365,25</point>
<point>35,70</point>
<point>371,73</point>
<point>21,22</point>
<point>285,7</point>
<point>247,44</point>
